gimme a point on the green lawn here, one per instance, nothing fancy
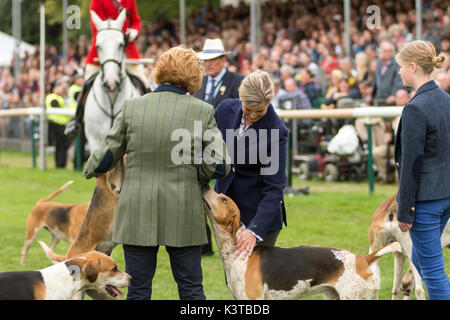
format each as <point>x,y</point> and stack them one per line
<point>334,214</point>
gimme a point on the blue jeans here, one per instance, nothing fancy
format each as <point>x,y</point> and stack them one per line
<point>429,222</point>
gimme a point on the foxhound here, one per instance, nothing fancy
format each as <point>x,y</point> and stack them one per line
<point>92,270</point>
<point>96,228</point>
<point>383,230</point>
<point>289,273</point>
<point>61,219</point>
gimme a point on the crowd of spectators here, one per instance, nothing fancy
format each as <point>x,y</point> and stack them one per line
<point>302,47</point>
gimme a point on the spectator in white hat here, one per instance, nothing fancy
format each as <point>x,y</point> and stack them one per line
<point>218,82</point>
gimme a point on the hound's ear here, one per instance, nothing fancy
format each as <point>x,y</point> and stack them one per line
<point>121,18</point>
<point>96,19</point>
<point>90,270</point>
<point>234,225</point>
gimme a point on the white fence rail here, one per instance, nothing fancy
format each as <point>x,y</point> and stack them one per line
<point>34,111</point>
<point>362,112</point>
<point>384,112</point>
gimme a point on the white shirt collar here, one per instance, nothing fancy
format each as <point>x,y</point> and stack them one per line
<point>219,76</point>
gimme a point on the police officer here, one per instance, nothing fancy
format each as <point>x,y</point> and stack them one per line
<point>57,123</point>
<point>75,88</point>
<point>73,95</point>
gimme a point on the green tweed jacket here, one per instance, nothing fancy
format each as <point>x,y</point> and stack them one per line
<point>168,137</point>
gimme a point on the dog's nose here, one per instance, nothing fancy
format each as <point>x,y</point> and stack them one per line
<point>205,187</point>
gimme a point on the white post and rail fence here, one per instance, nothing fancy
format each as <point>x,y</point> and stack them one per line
<point>362,112</point>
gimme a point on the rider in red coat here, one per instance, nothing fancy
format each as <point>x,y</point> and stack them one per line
<point>110,9</point>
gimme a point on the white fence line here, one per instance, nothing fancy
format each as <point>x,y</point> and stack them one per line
<point>34,111</point>
<point>384,112</point>
<point>363,112</point>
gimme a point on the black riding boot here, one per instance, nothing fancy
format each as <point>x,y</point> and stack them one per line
<point>74,126</point>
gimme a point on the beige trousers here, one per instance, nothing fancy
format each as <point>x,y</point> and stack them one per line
<point>379,157</point>
<point>378,130</point>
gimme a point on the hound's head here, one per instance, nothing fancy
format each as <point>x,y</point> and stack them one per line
<point>385,214</point>
<point>99,272</point>
<point>222,210</point>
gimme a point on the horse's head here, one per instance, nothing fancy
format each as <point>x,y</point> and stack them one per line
<point>110,44</point>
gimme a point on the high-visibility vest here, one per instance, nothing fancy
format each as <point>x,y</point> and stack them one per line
<point>57,118</point>
<point>71,93</point>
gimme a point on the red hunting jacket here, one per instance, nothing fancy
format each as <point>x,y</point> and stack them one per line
<point>106,9</point>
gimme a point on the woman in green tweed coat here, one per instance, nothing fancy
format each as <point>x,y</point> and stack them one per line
<point>168,137</point>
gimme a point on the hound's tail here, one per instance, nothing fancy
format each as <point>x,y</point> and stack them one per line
<point>55,258</point>
<point>54,194</point>
<point>391,247</point>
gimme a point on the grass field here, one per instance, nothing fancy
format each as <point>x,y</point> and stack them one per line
<point>334,214</point>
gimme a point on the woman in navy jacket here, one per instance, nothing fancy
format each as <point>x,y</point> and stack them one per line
<point>256,140</point>
<point>422,156</point>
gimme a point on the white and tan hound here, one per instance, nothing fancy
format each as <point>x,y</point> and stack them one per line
<point>289,273</point>
<point>92,270</point>
<point>383,230</point>
<point>97,226</point>
<point>96,229</point>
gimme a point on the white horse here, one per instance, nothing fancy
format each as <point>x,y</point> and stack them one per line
<point>112,86</point>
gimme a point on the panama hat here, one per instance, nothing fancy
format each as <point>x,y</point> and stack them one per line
<point>213,48</point>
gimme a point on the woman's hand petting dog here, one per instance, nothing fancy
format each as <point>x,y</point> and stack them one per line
<point>245,242</point>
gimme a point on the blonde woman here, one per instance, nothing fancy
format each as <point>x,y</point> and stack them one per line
<point>422,156</point>
<point>335,76</point>
<point>362,64</point>
<point>256,140</point>
<point>160,202</point>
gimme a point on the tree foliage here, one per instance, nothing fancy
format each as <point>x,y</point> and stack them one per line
<point>149,10</point>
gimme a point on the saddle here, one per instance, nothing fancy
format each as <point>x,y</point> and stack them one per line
<point>74,126</point>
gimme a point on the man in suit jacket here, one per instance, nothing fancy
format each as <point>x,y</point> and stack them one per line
<point>160,202</point>
<point>218,83</point>
<point>256,181</point>
<point>386,80</point>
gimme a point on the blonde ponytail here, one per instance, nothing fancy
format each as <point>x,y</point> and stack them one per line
<point>438,62</point>
<point>422,53</point>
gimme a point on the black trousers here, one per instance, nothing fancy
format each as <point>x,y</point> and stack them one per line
<point>61,142</point>
<point>140,264</point>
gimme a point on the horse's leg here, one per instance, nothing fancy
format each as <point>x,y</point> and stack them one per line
<point>97,123</point>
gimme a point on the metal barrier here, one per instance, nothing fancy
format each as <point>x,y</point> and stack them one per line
<point>33,112</point>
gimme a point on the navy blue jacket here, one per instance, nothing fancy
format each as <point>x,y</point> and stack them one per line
<point>258,194</point>
<point>422,150</point>
<point>230,84</point>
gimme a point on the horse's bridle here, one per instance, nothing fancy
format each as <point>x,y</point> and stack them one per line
<point>121,76</point>
<point>119,63</point>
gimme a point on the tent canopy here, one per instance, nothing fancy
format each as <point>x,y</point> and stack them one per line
<point>8,43</point>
